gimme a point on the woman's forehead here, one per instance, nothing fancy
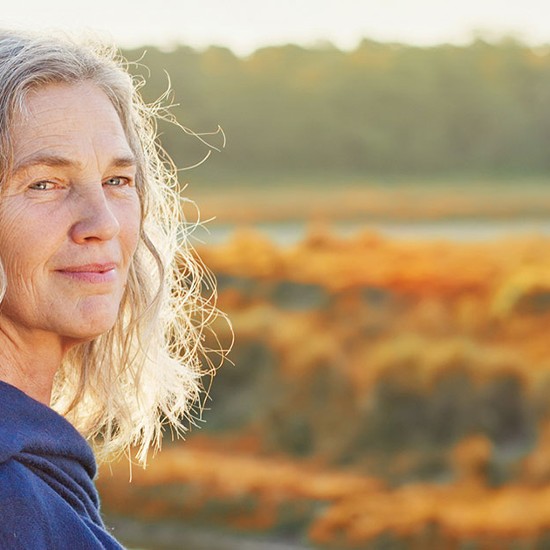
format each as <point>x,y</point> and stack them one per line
<point>68,121</point>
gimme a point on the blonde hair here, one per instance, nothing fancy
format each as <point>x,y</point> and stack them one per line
<point>121,388</point>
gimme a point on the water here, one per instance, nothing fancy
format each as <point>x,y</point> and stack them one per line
<point>465,230</point>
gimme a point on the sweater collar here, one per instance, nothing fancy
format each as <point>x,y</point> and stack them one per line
<point>30,427</point>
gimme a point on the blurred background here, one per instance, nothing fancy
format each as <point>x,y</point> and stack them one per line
<point>378,222</point>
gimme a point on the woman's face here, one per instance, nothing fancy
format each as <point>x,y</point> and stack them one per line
<point>69,216</point>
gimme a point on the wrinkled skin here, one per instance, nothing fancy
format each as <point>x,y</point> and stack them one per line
<point>69,226</point>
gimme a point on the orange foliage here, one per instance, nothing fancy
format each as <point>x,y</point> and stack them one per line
<point>477,305</point>
<point>466,510</point>
<point>212,473</point>
<point>436,268</point>
<point>237,473</point>
<point>535,469</point>
<point>511,513</point>
<point>358,508</point>
<point>410,313</point>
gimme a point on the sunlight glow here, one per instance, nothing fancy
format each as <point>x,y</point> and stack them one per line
<point>244,25</point>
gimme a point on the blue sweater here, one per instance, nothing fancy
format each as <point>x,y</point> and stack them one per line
<point>48,500</point>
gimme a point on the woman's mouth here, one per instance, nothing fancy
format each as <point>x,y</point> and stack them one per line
<point>91,273</point>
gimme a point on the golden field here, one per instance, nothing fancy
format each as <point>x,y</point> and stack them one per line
<point>386,393</point>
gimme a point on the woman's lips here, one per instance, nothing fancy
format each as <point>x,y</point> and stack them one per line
<point>91,273</point>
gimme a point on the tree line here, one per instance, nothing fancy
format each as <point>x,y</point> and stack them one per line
<point>382,108</point>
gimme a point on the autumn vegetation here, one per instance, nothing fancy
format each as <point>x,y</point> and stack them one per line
<point>385,393</point>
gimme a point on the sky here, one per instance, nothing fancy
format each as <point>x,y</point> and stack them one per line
<point>245,25</point>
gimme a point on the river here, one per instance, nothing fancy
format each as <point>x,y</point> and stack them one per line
<point>465,230</point>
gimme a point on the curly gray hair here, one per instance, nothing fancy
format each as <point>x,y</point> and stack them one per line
<point>120,388</point>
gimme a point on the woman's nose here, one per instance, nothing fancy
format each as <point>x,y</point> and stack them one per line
<point>95,219</point>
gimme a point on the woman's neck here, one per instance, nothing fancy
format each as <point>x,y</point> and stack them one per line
<point>29,361</point>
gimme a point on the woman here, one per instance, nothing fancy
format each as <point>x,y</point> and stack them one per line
<point>96,322</point>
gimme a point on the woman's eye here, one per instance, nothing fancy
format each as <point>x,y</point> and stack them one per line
<point>117,181</point>
<point>42,186</point>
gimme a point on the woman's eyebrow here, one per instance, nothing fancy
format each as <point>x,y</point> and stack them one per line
<point>43,159</point>
<point>126,161</point>
<point>59,161</point>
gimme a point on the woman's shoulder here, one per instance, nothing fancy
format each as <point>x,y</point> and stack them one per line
<point>16,484</point>
<point>32,515</point>
<point>27,425</point>
<point>22,524</point>
<point>47,495</point>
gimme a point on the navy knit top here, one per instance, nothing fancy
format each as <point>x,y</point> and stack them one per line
<point>47,495</point>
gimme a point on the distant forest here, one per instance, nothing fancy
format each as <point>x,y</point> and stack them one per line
<point>383,108</point>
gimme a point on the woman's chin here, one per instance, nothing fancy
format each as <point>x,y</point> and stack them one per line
<point>88,329</point>
<point>82,337</point>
